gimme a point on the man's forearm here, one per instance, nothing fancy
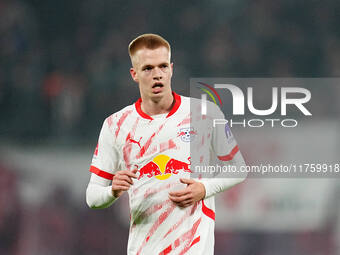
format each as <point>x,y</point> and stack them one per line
<point>219,183</point>
<point>99,193</point>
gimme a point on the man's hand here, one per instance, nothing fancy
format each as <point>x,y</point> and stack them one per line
<point>122,181</point>
<point>194,192</point>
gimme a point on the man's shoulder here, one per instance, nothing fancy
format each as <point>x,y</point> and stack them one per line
<point>196,104</point>
<point>119,115</point>
<point>185,100</point>
<point>124,110</point>
<point>191,101</point>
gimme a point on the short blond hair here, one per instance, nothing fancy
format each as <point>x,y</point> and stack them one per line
<point>149,41</point>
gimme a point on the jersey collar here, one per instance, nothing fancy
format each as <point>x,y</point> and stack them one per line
<point>175,107</point>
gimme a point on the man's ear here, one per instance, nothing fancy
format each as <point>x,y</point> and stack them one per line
<point>172,68</point>
<point>134,74</point>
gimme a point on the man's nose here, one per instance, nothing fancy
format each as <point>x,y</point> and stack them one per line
<point>157,73</point>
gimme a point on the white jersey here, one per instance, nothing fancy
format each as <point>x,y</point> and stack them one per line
<point>159,147</point>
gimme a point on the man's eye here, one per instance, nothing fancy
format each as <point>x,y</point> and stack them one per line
<point>164,66</point>
<point>148,68</point>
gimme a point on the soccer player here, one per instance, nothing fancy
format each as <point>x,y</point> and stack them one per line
<point>144,149</point>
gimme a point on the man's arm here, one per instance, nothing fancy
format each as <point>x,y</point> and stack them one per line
<point>100,193</point>
<point>106,183</point>
<point>224,152</point>
<point>220,183</point>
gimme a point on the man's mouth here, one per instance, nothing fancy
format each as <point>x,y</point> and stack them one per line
<point>158,85</point>
<point>157,88</point>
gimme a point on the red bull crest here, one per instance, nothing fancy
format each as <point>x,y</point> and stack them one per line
<point>162,167</point>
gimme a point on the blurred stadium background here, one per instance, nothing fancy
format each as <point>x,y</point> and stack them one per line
<point>64,68</point>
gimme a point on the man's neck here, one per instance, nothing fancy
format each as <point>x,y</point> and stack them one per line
<point>163,105</point>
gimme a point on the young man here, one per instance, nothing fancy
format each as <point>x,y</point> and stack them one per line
<point>145,149</point>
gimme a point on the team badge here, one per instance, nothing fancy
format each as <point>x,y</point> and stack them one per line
<point>187,134</point>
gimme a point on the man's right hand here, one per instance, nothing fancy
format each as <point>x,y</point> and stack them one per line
<point>122,181</point>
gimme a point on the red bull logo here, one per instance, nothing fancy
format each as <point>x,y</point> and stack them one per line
<point>162,167</point>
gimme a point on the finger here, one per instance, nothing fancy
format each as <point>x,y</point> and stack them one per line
<point>121,183</point>
<point>189,203</point>
<point>184,203</point>
<point>125,178</point>
<point>187,181</point>
<point>175,199</point>
<point>179,193</point>
<point>128,173</point>
<point>133,174</point>
<point>180,205</point>
<point>120,188</point>
<point>181,198</point>
<point>135,171</point>
<point>177,203</point>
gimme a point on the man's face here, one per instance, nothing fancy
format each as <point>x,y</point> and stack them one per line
<point>153,71</point>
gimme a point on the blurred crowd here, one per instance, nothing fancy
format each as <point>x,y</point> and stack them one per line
<point>64,65</point>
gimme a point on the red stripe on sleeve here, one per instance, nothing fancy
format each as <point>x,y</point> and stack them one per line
<point>101,173</point>
<point>207,211</point>
<point>230,156</point>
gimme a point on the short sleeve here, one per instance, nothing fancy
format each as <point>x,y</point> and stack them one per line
<point>105,158</point>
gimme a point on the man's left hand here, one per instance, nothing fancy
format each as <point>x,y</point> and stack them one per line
<point>194,192</point>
